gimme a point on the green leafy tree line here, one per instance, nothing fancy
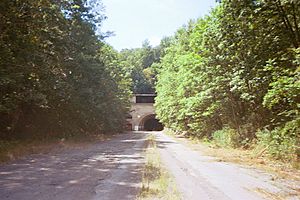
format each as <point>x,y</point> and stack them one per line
<point>234,75</point>
<point>141,65</point>
<point>58,77</point>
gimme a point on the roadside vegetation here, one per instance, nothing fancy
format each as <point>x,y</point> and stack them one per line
<point>17,148</point>
<point>59,79</point>
<point>233,78</point>
<point>157,183</point>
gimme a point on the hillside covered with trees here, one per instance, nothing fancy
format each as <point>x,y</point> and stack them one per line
<point>58,77</point>
<point>232,77</point>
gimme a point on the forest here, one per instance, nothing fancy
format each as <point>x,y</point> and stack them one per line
<point>58,76</point>
<point>232,76</point>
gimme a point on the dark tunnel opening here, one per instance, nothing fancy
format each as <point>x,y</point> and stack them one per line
<point>153,124</point>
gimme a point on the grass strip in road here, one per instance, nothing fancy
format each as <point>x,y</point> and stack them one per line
<point>157,183</point>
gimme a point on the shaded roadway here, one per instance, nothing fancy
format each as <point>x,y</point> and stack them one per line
<point>105,170</point>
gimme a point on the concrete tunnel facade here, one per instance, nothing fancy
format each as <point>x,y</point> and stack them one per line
<point>142,115</point>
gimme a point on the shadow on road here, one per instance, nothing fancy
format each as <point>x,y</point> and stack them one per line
<point>105,168</point>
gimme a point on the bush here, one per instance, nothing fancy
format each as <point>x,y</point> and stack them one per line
<point>282,142</point>
<point>226,137</point>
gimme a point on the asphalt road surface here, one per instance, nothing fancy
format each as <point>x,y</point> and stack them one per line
<point>107,170</point>
<point>111,170</point>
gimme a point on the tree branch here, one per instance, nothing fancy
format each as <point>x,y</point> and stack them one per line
<point>286,22</point>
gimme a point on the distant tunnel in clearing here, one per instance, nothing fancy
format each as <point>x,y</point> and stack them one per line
<point>150,123</point>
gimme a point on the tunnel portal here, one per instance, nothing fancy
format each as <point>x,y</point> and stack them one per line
<point>141,116</point>
<point>150,123</point>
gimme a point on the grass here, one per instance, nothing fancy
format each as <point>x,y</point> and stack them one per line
<point>269,195</point>
<point>156,182</point>
<point>252,158</point>
<point>14,149</point>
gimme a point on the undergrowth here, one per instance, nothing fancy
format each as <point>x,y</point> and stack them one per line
<point>281,144</point>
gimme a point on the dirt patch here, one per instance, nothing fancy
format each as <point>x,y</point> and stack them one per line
<point>14,149</point>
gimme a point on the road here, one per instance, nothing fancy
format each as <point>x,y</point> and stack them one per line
<point>106,170</point>
<point>202,177</point>
<point>111,170</point>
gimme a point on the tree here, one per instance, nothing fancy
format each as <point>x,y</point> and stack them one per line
<point>236,68</point>
<point>58,78</point>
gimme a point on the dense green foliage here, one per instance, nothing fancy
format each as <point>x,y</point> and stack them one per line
<point>282,142</point>
<point>57,76</point>
<point>235,70</point>
<point>139,63</point>
<point>232,76</point>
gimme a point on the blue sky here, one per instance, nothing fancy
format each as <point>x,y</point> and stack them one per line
<point>134,21</point>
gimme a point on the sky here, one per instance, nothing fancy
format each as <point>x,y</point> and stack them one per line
<point>134,21</point>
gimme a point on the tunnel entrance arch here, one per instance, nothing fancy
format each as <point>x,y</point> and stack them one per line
<point>150,123</point>
<point>142,113</point>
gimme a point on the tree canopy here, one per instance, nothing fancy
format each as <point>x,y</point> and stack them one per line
<point>234,73</point>
<point>57,75</point>
<point>236,68</point>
